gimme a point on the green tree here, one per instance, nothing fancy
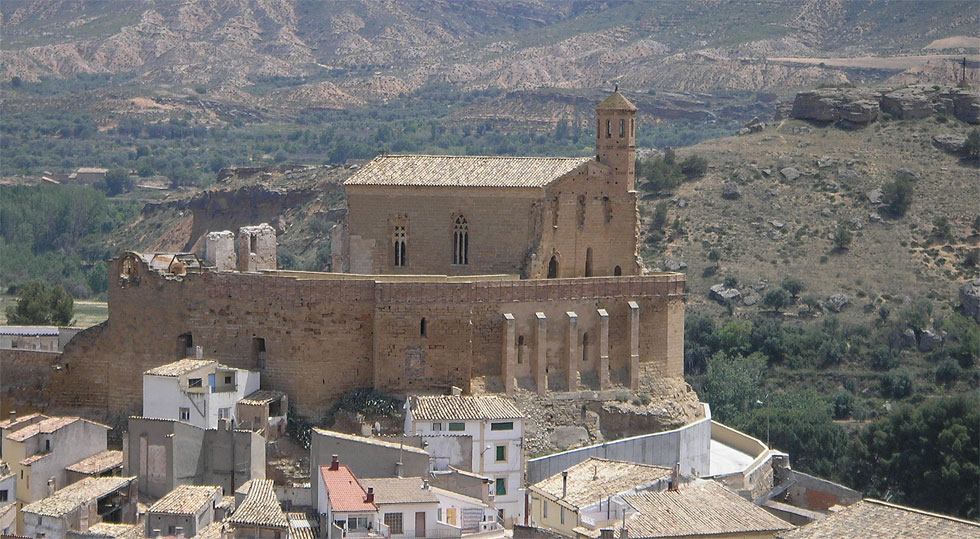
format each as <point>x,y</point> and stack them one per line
<point>843,237</point>
<point>794,286</point>
<point>973,144</point>
<point>659,216</point>
<point>735,337</point>
<point>941,228</point>
<point>897,196</point>
<point>117,181</point>
<point>714,256</point>
<point>776,299</point>
<point>41,305</point>
<point>925,456</point>
<point>732,384</point>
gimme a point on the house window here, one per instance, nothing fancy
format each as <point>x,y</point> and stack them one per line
<point>501,453</point>
<point>193,382</point>
<point>394,523</point>
<point>622,128</point>
<point>252,247</point>
<point>461,241</point>
<point>457,426</point>
<point>3,495</point>
<point>617,271</point>
<point>561,509</point>
<point>227,379</point>
<point>400,237</point>
<point>544,508</point>
<point>185,414</point>
<point>357,523</point>
<point>503,425</point>
<point>501,486</point>
<point>437,426</point>
<point>47,446</point>
<point>224,413</point>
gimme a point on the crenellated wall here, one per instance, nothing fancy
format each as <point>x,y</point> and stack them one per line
<point>324,334</point>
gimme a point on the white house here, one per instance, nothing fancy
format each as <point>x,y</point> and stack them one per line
<point>8,497</point>
<point>196,391</point>
<point>408,507</point>
<point>345,507</point>
<point>469,514</point>
<point>496,427</point>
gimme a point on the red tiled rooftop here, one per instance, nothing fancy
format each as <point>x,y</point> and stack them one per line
<point>343,489</point>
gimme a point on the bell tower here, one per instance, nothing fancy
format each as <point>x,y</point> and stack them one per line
<point>615,142</point>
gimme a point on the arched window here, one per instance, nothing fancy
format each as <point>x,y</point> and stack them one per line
<point>618,271</point>
<point>622,128</point>
<point>400,251</point>
<point>588,262</point>
<point>553,268</point>
<point>608,128</point>
<point>461,241</point>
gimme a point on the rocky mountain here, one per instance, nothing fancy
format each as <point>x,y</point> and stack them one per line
<point>298,54</point>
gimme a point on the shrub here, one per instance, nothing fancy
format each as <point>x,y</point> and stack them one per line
<point>972,258</point>
<point>947,372</point>
<point>973,144</point>
<point>731,282</point>
<point>843,237</point>
<point>776,299</point>
<point>897,196</point>
<point>882,358</point>
<point>843,404</point>
<point>941,228</point>
<point>811,301</point>
<point>794,286</point>
<point>898,385</point>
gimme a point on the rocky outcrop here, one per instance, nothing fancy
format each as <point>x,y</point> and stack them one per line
<point>837,302</point>
<point>731,190</point>
<point>954,144</point>
<point>929,340</point>
<point>970,299</point>
<point>861,106</point>
<point>724,294</point>
<point>854,106</point>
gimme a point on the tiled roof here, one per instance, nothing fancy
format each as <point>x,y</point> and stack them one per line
<point>597,479</point>
<point>344,491</point>
<point>450,407</point>
<point>108,529</point>
<point>874,518</point>
<point>6,423</point>
<point>47,426</point>
<point>30,331</point>
<point>262,397</point>
<point>211,531</point>
<point>464,171</point>
<point>616,101</point>
<point>97,463</point>
<point>185,500</point>
<point>366,440</point>
<point>302,526</point>
<point>180,367</point>
<point>260,508</point>
<point>69,498</point>
<point>701,508</point>
<point>399,490</point>
<point>34,458</point>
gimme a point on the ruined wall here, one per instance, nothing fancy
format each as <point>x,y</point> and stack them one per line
<point>500,225</point>
<point>25,379</point>
<point>316,336</point>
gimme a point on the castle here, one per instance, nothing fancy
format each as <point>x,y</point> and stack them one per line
<point>520,270</point>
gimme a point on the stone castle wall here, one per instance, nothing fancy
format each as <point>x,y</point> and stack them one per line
<point>325,334</point>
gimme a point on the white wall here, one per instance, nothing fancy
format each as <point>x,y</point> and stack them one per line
<point>408,511</point>
<point>163,396</point>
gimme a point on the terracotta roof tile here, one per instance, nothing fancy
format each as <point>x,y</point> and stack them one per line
<point>97,463</point>
<point>449,407</point>
<point>595,479</point>
<point>302,526</point>
<point>874,518</point>
<point>464,171</point>
<point>108,529</point>
<point>616,101</point>
<point>262,397</point>
<point>700,508</point>
<point>71,497</point>
<point>185,500</point>
<point>180,367</point>
<point>260,508</point>
<point>211,531</point>
<point>399,490</point>
<point>344,491</point>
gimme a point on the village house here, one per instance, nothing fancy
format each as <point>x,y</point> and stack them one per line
<point>496,428</point>
<point>104,464</point>
<point>81,505</point>
<point>88,175</point>
<point>196,391</point>
<point>471,515</point>
<point>408,507</point>
<point>589,494</point>
<point>39,449</point>
<point>875,518</point>
<point>264,412</point>
<point>8,500</point>
<point>345,507</point>
<point>184,510</point>
<point>165,453</point>
<point>259,515</point>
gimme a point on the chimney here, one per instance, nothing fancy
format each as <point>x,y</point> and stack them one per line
<point>13,417</point>
<point>675,477</point>
<point>199,352</point>
<point>456,391</point>
<point>335,463</point>
<point>564,484</point>
<point>51,486</point>
<point>623,532</point>
<point>425,484</point>
<point>370,495</point>
<point>606,533</point>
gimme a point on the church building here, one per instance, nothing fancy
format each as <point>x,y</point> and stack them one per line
<point>536,217</point>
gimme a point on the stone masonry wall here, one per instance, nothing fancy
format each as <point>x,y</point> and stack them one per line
<point>325,334</point>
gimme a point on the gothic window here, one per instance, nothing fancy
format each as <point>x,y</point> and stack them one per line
<point>461,241</point>
<point>553,268</point>
<point>618,271</point>
<point>608,128</point>
<point>399,240</point>
<point>622,128</point>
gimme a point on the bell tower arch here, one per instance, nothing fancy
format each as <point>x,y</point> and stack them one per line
<point>616,139</point>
